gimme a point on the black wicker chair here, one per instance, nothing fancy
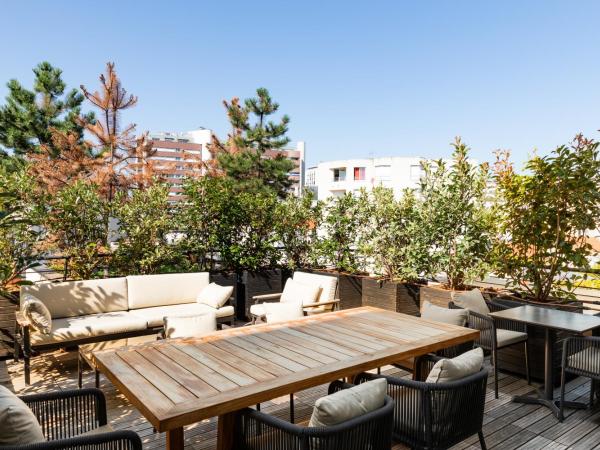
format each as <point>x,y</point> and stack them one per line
<point>581,357</point>
<point>436,415</point>
<point>496,334</point>
<point>64,416</point>
<point>373,431</point>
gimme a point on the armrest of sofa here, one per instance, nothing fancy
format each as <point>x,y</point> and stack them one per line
<point>265,297</point>
<point>22,321</point>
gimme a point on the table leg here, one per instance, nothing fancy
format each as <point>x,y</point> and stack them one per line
<point>545,397</point>
<point>225,431</point>
<point>175,439</point>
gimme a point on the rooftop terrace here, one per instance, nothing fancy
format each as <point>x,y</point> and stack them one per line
<point>507,425</point>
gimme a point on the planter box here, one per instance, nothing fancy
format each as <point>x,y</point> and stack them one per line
<point>349,290</point>
<point>256,283</point>
<point>8,307</point>
<point>512,359</point>
<point>397,297</point>
<point>436,295</point>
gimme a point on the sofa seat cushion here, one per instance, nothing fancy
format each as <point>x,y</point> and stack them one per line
<point>258,310</point>
<point>154,316</point>
<point>74,328</point>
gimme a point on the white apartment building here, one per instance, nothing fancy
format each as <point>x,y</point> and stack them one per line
<point>335,178</point>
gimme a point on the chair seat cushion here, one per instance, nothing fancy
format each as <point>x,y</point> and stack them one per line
<point>190,326</point>
<point>444,315</point>
<point>311,310</point>
<point>258,309</point>
<point>154,316</point>
<point>18,425</point>
<point>587,360</point>
<point>453,369</point>
<point>282,312</point>
<point>509,337</point>
<point>349,403</point>
<point>74,328</point>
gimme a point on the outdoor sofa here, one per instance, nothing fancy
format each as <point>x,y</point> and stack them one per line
<point>108,309</point>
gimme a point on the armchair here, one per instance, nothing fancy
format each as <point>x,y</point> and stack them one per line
<point>258,431</point>
<point>436,415</point>
<point>66,417</point>
<point>581,357</point>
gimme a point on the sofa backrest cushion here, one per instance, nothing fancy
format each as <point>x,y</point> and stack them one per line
<point>296,292</point>
<point>18,425</point>
<point>80,298</point>
<point>146,291</point>
<point>327,283</point>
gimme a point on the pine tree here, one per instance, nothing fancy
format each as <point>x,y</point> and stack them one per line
<point>29,116</point>
<point>243,156</point>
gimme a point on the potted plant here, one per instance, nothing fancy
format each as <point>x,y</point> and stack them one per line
<point>19,239</point>
<point>392,252</point>
<point>545,215</point>
<point>338,249</point>
<point>456,223</point>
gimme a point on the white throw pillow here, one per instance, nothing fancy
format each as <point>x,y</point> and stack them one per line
<point>444,315</point>
<point>214,295</point>
<point>294,292</point>
<point>190,326</point>
<point>281,312</point>
<point>454,369</point>
<point>349,403</point>
<point>37,313</point>
<point>18,425</point>
<point>472,300</point>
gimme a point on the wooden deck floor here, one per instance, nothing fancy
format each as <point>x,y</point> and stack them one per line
<point>507,426</point>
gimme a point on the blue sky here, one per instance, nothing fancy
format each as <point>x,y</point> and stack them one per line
<point>358,79</point>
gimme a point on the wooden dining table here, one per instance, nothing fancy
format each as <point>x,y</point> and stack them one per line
<point>177,382</point>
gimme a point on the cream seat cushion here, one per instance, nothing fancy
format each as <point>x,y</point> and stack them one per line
<point>509,337</point>
<point>73,328</point>
<point>472,300</point>
<point>18,425</point>
<point>37,313</point>
<point>349,403</point>
<point>147,291</point>
<point>281,312</point>
<point>258,309</point>
<point>444,315</point>
<point>296,292</point>
<point>154,316</point>
<point>190,326</point>
<point>327,283</point>
<point>80,298</point>
<point>453,369</point>
<point>214,295</point>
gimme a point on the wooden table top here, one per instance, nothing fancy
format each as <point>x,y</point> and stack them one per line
<point>177,382</point>
<point>550,318</point>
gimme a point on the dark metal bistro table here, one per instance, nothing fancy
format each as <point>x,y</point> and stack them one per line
<point>551,320</point>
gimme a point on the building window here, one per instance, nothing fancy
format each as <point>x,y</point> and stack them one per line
<point>416,172</point>
<point>339,174</point>
<point>359,174</point>
<point>383,173</point>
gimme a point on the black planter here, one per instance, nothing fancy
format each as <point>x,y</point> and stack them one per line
<point>390,295</point>
<point>512,359</point>
<point>257,283</point>
<point>8,307</point>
